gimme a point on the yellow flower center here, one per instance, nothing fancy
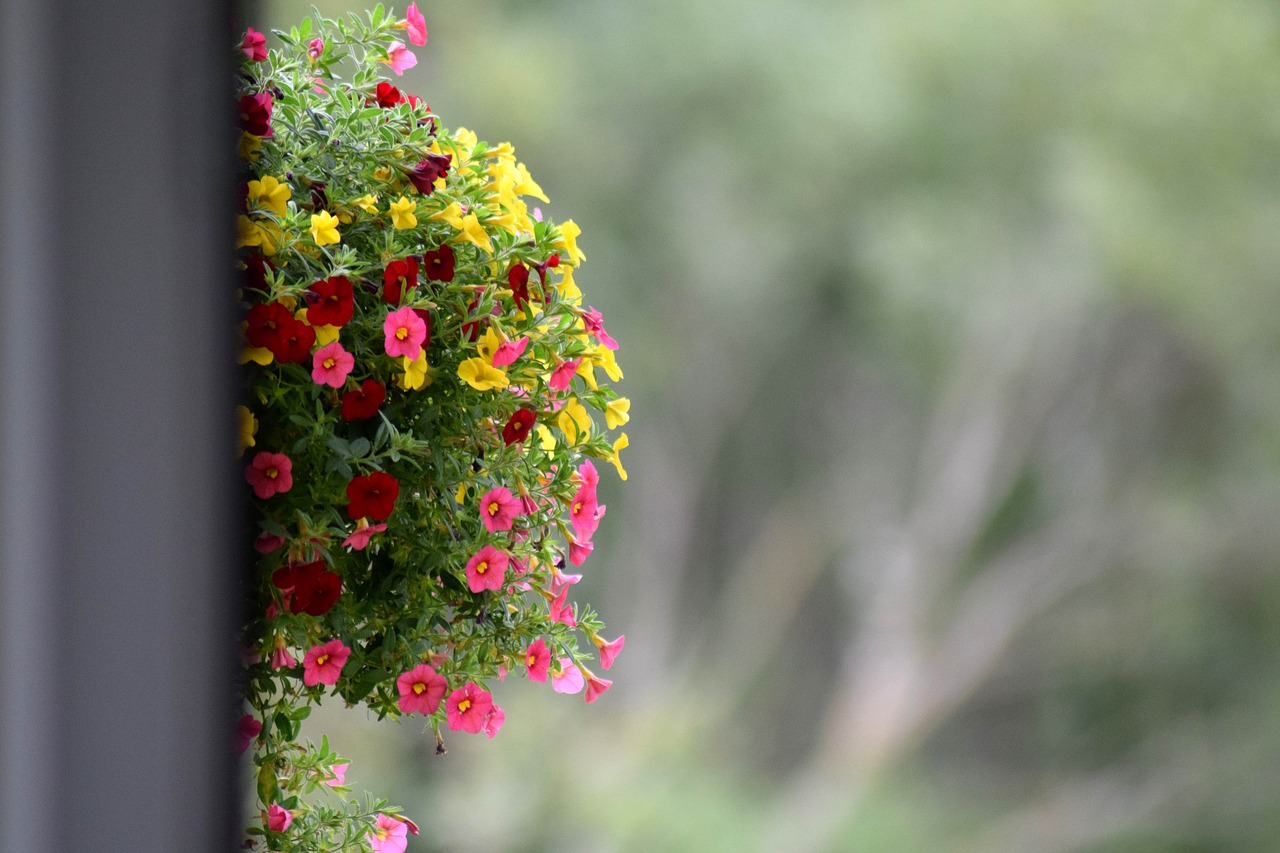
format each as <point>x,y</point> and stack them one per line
<point>321,660</point>
<point>381,833</point>
<point>272,473</point>
<point>577,507</point>
<point>402,333</point>
<point>463,706</point>
<point>329,363</point>
<point>418,688</point>
<point>482,567</point>
<point>493,509</point>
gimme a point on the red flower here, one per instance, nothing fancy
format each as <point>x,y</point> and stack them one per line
<point>293,346</point>
<point>254,45</point>
<point>387,95</point>
<point>518,279</point>
<point>335,303</point>
<point>425,316</point>
<point>372,496</point>
<point>364,402</point>
<point>255,271</point>
<point>399,276</point>
<point>438,265</point>
<point>308,587</point>
<point>266,323</point>
<point>518,426</point>
<point>428,171</point>
<point>255,114</point>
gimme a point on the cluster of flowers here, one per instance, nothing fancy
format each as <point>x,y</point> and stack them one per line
<point>422,411</point>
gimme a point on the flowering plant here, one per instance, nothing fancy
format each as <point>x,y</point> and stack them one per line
<point>423,397</point>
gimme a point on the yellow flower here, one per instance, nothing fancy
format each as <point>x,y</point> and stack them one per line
<point>526,185</point>
<point>258,355</point>
<point>250,233</point>
<point>461,495</point>
<point>326,335</point>
<point>568,289</point>
<point>617,412</point>
<point>382,173</point>
<point>473,232</point>
<point>602,356</point>
<point>451,214</point>
<point>568,240</point>
<point>272,194</point>
<point>402,214</point>
<point>546,440</point>
<point>367,203</point>
<point>488,344</point>
<point>248,147</point>
<point>324,228</point>
<point>587,371</point>
<point>417,373</point>
<point>246,428</point>
<point>482,376</point>
<point>614,458</point>
<point>574,421</point>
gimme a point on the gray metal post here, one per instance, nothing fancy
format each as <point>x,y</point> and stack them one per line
<point>117,568</point>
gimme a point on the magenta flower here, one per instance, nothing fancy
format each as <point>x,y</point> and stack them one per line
<point>499,509</point>
<point>566,677</point>
<point>537,659</point>
<point>467,707</point>
<point>315,48</point>
<point>388,835</point>
<point>421,690</point>
<point>254,45</point>
<point>509,351</point>
<point>582,513</point>
<point>281,658</point>
<point>596,686</point>
<point>587,475</point>
<point>339,772</point>
<point>278,819</point>
<point>331,364</point>
<point>247,729</point>
<point>400,58</point>
<point>405,332</point>
<point>269,474</point>
<point>579,551</point>
<point>608,650</point>
<point>323,664</point>
<point>359,539</point>
<point>563,375</point>
<point>594,323</point>
<point>562,610</point>
<point>494,721</point>
<point>487,569</point>
<point>416,24</point>
<point>265,542</point>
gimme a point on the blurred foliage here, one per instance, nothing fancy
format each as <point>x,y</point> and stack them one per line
<point>950,331</point>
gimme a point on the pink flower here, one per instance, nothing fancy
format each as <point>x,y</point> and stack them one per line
<point>498,509</point>
<point>254,45</point>
<point>562,610</point>
<point>494,721</point>
<point>278,819</point>
<point>323,664</point>
<point>247,729</point>
<point>421,690</point>
<point>359,538</point>
<point>594,323</point>
<point>608,650</point>
<point>265,542</point>
<point>416,24</point>
<point>559,580</point>
<point>269,474</point>
<point>566,677</point>
<point>579,551</point>
<point>280,656</point>
<point>388,835</point>
<point>330,365</point>
<point>400,58</point>
<point>587,475</point>
<point>508,351</point>
<point>405,332</point>
<point>537,659</point>
<point>582,513</point>
<point>596,686</point>
<point>467,707</point>
<point>487,569</point>
<point>339,772</point>
<point>563,375</point>
<point>315,48</point>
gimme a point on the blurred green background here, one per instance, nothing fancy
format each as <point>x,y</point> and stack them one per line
<point>951,328</point>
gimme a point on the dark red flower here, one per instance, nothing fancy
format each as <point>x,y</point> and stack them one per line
<point>254,276</point>
<point>255,114</point>
<point>387,95</point>
<point>308,587</point>
<point>334,303</point>
<point>266,323</point>
<point>550,263</point>
<point>398,277</point>
<point>428,171</point>
<point>293,346</point>
<point>363,402</point>
<point>372,496</point>
<point>518,426</point>
<point>438,265</point>
<point>518,279</point>
<point>425,316</point>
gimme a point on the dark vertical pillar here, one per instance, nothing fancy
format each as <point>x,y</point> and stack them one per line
<point>117,571</point>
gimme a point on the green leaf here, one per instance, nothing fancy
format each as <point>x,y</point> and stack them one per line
<point>268,786</point>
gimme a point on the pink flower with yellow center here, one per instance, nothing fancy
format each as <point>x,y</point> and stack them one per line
<point>499,509</point>
<point>421,690</point>
<point>595,686</point>
<point>388,835</point>
<point>404,332</point>
<point>269,474</point>
<point>563,375</point>
<point>400,58</point>
<point>508,351</point>
<point>323,664</point>
<point>537,659</point>
<point>566,677</point>
<point>487,569</point>
<point>583,515</point>
<point>467,708</point>
<point>359,538</point>
<point>331,364</point>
